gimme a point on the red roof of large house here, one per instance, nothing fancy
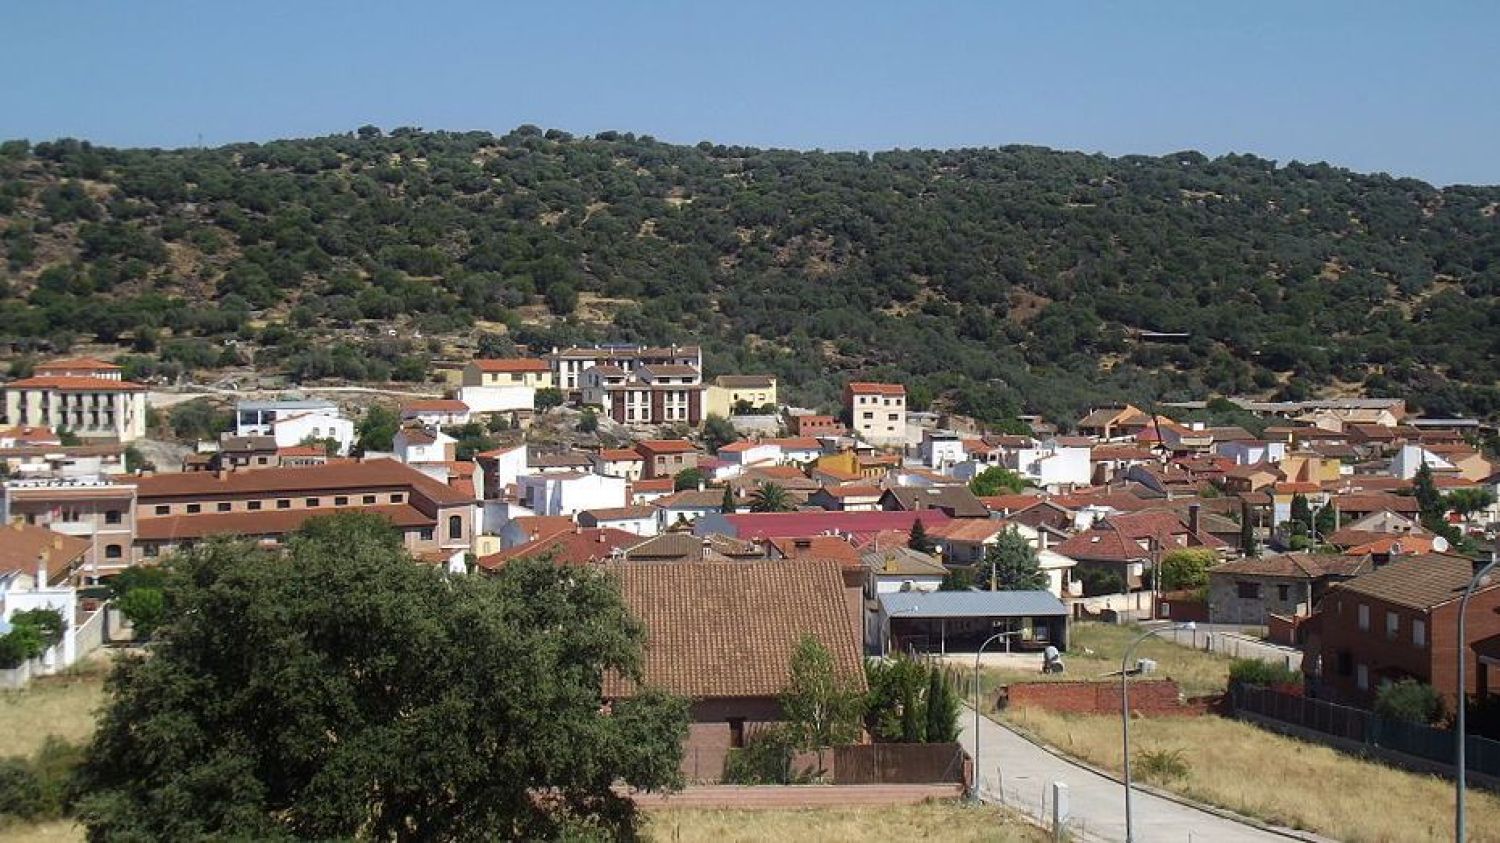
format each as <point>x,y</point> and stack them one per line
<point>762,525</point>
<point>67,383</point>
<point>1118,538</point>
<point>277,522</point>
<point>664,446</point>
<point>870,388</point>
<point>511,364</point>
<point>351,476</point>
<point>76,364</point>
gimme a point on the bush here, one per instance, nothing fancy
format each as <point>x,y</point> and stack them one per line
<point>1162,766</point>
<point>1409,701</point>
<point>1261,674</point>
<point>766,758</point>
<point>38,787</point>
<point>21,791</point>
<point>1186,569</point>
<point>1097,581</point>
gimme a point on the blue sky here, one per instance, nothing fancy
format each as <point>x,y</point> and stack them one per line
<point>1405,88</point>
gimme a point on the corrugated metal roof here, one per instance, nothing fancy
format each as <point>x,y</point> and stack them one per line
<point>972,604</point>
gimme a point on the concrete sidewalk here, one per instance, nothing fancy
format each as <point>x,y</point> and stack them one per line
<point>1097,802</point>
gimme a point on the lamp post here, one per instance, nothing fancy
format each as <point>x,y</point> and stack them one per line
<point>1125,715</point>
<point>1461,722</point>
<point>974,792</point>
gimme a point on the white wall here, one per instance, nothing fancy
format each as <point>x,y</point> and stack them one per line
<point>570,494</point>
<point>293,431</point>
<point>497,399</point>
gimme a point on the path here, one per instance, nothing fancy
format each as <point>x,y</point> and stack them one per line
<point>1097,802</point>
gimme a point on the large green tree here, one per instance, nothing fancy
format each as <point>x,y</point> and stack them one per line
<point>376,431</point>
<point>996,481</point>
<point>340,689</point>
<point>771,497</point>
<point>822,707</point>
<point>1012,564</point>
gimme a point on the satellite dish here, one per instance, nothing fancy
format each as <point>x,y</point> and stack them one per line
<point>1440,544</point>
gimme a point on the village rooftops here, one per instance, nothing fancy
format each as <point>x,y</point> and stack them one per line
<point>511,365</point>
<point>730,629</point>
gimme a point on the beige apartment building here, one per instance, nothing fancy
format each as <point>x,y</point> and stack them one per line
<point>721,396</point>
<point>84,396</point>
<point>98,511</point>
<point>877,412</point>
<point>510,371</point>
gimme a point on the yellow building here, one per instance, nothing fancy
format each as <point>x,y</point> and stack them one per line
<point>1310,468</point>
<point>512,371</point>
<point>728,390</point>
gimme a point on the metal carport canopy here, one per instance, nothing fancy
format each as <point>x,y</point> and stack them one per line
<point>972,604</point>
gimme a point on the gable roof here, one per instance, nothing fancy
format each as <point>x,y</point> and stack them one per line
<point>1420,581</point>
<point>652,447</point>
<point>577,547</point>
<point>541,526</point>
<point>515,365</point>
<point>957,501</point>
<point>276,522</point>
<point>817,547</point>
<point>901,561</point>
<point>72,383</point>
<point>871,388</point>
<point>1117,538</point>
<point>21,545</point>
<point>729,629</point>
<point>1296,565</point>
<point>369,474</point>
<point>76,364</point>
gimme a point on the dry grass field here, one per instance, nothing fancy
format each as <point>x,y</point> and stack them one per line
<point>1277,779</point>
<point>946,821</point>
<point>62,705</point>
<point>1095,651</point>
<point>59,831</point>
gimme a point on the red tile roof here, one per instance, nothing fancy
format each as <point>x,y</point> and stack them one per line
<point>277,522</point>
<point>76,364</point>
<point>578,547</point>
<point>653,447</point>
<point>21,545</point>
<point>620,455</point>
<point>1009,503</point>
<point>652,485</point>
<point>514,365</point>
<point>869,388</point>
<point>334,476</point>
<point>835,548</point>
<point>541,526</point>
<point>760,525</point>
<point>1118,538</point>
<point>65,383</point>
<point>302,451</point>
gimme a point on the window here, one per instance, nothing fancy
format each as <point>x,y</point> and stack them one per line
<point>283,504</point>
<point>397,497</point>
<point>1419,633</point>
<point>1392,625</point>
<point>736,732</point>
<point>1364,618</point>
<point>455,527</point>
<point>369,499</point>
<point>151,551</point>
<point>163,509</point>
<point>341,500</point>
<point>223,506</point>
<point>112,516</point>
<point>1247,590</point>
<point>112,551</point>
<point>253,506</point>
<point>194,508</point>
<point>425,534</point>
<point>1283,593</point>
<point>1362,677</point>
<point>262,460</point>
<point>312,502</point>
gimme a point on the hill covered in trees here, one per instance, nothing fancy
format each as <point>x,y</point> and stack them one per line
<point>992,281</point>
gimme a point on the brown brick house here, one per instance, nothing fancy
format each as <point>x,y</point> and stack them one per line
<point>1401,621</point>
<point>722,634</point>
<point>1250,590</point>
<point>666,457</point>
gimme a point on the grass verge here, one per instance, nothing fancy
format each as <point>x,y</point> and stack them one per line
<point>1271,777</point>
<point>62,705</point>
<point>1095,650</point>
<point>947,821</point>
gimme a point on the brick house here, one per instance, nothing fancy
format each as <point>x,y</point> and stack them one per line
<point>815,425</point>
<point>1400,621</point>
<point>1248,591</point>
<point>733,662</point>
<point>666,457</point>
<point>1128,544</point>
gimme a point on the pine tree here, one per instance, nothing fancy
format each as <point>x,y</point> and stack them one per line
<point>1302,518</point>
<point>1247,531</point>
<point>1429,499</point>
<point>1013,564</point>
<point>942,707</point>
<point>913,720</point>
<point>728,507</point>
<point>918,539</point>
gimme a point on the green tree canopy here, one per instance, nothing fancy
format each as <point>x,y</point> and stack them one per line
<point>1012,565</point>
<point>1186,568</point>
<point>688,478</point>
<point>377,430</point>
<point>718,432</point>
<point>997,481</point>
<point>822,708</point>
<point>340,690</point>
<point>771,497</point>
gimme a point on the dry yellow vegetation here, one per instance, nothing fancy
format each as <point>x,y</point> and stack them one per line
<point>57,831</point>
<point>947,821</point>
<point>1095,649</point>
<point>1274,778</point>
<point>62,705</point>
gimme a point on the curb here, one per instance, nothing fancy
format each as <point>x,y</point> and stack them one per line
<point>1214,810</point>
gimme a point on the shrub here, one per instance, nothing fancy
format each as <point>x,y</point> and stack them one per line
<point>1162,766</point>
<point>1258,673</point>
<point>1186,568</point>
<point>1098,581</point>
<point>21,791</point>
<point>766,758</point>
<point>38,787</point>
<point>1410,701</point>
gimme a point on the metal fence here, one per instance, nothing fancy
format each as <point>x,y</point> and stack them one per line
<point>1368,728</point>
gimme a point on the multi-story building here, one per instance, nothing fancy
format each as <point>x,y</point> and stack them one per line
<point>877,412</point>
<point>1401,621</point>
<point>662,393</point>
<point>815,425</point>
<point>293,422</point>
<point>86,397</point>
<point>97,510</point>
<point>569,364</point>
<point>667,457</point>
<point>173,510</point>
<point>728,392</point>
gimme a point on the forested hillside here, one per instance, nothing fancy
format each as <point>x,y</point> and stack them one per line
<point>992,281</point>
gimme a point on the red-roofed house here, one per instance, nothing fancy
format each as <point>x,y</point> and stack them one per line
<point>618,462</point>
<point>877,411</point>
<point>847,498</point>
<point>513,371</point>
<point>1127,544</point>
<point>84,396</point>
<point>578,547</point>
<point>666,457</point>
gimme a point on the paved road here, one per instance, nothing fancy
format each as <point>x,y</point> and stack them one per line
<point>1097,802</point>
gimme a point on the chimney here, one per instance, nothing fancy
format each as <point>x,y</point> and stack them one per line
<point>1193,521</point>
<point>600,539</point>
<point>704,550</point>
<point>41,571</point>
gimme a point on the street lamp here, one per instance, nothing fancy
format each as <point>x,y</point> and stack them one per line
<point>1461,723</point>
<point>978,701</point>
<point>1125,713</point>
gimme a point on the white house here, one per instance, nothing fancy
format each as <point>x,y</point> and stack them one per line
<point>1051,464</point>
<point>87,397</point>
<point>569,493</point>
<point>898,568</point>
<point>619,462</point>
<point>747,453</point>
<point>296,429</point>
<point>1408,461</point>
<point>687,506</point>
<point>439,412</point>
<point>1251,451</point>
<point>640,519</point>
<point>942,449</point>
<point>423,445</point>
<point>497,399</point>
<point>797,450</point>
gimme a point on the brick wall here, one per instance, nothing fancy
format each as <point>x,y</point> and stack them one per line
<point>1147,696</point>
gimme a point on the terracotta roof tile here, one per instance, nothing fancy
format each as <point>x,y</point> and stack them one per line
<point>1296,565</point>
<point>66,383</point>
<point>264,523</point>
<point>578,547</point>
<point>729,629</point>
<point>334,476</point>
<point>869,388</point>
<point>1419,581</point>
<point>21,545</point>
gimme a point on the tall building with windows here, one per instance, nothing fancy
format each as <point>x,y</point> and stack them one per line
<point>877,412</point>
<point>83,396</point>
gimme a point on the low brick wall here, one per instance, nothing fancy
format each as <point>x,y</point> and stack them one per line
<point>1147,697</point>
